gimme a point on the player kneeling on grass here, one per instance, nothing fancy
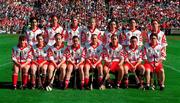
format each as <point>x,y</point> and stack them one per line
<point>21,56</point>
<point>75,58</point>
<point>154,55</point>
<point>114,59</point>
<point>39,62</point>
<point>93,52</point>
<point>133,59</point>
<point>57,60</point>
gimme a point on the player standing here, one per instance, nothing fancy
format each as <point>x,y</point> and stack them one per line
<point>133,32</point>
<point>52,30</point>
<point>33,31</point>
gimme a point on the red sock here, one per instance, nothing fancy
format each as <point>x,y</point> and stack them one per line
<point>160,83</point>
<point>86,81</point>
<point>100,80</point>
<point>82,83</point>
<point>25,79</point>
<point>14,79</point>
<point>126,82</point>
<point>33,80</point>
<point>66,83</point>
<point>119,82</point>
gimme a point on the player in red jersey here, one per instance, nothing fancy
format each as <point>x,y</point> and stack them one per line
<point>33,31</point>
<point>133,55</point>
<point>56,55</point>
<point>21,56</point>
<point>75,57</point>
<point>154,56</point>
<point>54,29</point>
<point>114,59</point>
<point>39,62</point>
<point>93,52</point>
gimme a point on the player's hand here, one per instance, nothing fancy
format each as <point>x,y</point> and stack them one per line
<point>156,64</point>
<point>77,66</point>
<point>20,66</point>
<point>93,66</point>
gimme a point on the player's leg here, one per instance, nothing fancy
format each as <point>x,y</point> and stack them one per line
<point>126,69</point>
<point>62,74</point>
<point>148,71</point>
<point>33,75</point>
<point>81,72</point>
<point>107,76</point>
<point>161,76</point>
<point>44,73</point>
<point>141,70</point>
<point>50,70</point>
<point>25,71</point>
<point>86,74</point>
<point>120,71</point>
<point>15,76</point>
<point>100,74</point>
<point>68,75</point>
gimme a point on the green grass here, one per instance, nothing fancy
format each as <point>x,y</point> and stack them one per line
<point>170,95</point>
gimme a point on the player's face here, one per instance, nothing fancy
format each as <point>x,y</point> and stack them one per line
<point>40,39</point>
<point>153,39</point>
<point>94,39</point>
<point>54,20</point>
<point>23,43</point>
<point>75,22</point>
<point>114,40</point>
<point>133,42</point>
<point>76,42</point>
<point>133,23</point>
<point>34,23</point>
<point>58,39</point>
<point>113,26</point>
<point>92,23</point>
<point>155,25</point>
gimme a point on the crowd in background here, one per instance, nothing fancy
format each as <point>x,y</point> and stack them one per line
<point>15,14</point>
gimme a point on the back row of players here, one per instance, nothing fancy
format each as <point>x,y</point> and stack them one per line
<point>39,53</point>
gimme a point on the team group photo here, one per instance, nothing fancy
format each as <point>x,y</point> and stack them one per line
<point>80,48</point>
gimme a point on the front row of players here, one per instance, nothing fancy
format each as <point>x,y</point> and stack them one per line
<point>38,63</point>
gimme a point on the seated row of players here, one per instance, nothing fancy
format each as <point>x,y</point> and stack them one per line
<point>41,60</point>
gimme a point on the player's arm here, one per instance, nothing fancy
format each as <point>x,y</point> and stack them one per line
<point>162,56</point>
<point>62,61</point>
<point>100,59</point>
<point>14,58</point>
<point>140,59</point>
<point>83,55</point>
<point>51,57</point>
<point>68,56</point>
<point>29,58</point>
<point>106,57</point>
